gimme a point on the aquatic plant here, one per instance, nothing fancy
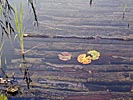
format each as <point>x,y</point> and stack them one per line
<point>87,58</point>
<point>65,56</point>
<point>19,27</point>
<point>84,59</point>
<point>124,10</point>
<point>6,12</point>
<point>3,97</point>
<point>0,9</point>
<point>94,54</point>
<point>20,34</point>
<point>1,47</point>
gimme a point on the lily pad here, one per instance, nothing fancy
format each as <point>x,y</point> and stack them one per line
<point>84,59</point>
<point>65,56</point>
<point>94,54</point>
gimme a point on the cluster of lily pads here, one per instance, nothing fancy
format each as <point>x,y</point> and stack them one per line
<point>82,58</point>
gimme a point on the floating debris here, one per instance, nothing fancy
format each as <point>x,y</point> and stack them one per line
<point>25,35</point>
<point>13,90</point>
<point>3,81</point>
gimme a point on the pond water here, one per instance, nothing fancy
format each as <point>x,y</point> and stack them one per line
<point>73,26</point>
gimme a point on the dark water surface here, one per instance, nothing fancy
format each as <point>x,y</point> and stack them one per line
<point>73,21</point>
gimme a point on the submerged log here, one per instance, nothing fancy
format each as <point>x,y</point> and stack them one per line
<point>123,38</point>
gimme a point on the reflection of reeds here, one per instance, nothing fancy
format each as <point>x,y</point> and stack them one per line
<point>124,10</point>
<point>19,27</point>
<point>91,2</point>
<point>34,11</point>
<point>128,24</point>
<point>27,77</point>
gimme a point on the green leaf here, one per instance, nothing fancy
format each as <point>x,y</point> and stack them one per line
<point>21,17</point>
<point>19,26</point>
<point>94,54</point>
<point>0,9</point>
<point>16,19</point>
<point>3,97</point>
<point>1,46</point>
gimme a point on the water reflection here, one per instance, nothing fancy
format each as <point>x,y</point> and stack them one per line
<point>91,2</point>
<point>26,72</point>
<point>74,27</point>
<point>34,11</point>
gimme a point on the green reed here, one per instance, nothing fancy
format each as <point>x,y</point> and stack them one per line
<point>124,9</point>
<point>124,12</point>
<point>19,27</point>
<point>1,47</point>
<point>6,12</point>
<point>0,9</point>
<point>20,34</point>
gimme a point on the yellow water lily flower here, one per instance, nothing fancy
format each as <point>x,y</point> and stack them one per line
<point>84,59</point>
<point>94,54</point>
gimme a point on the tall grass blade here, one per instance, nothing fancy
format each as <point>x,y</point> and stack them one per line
<point>124,10</point>
<point>19,26</point>
<point>16,19</point>
<point>0,9</point>
<point>1,47</point>
<point>21,17</point>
